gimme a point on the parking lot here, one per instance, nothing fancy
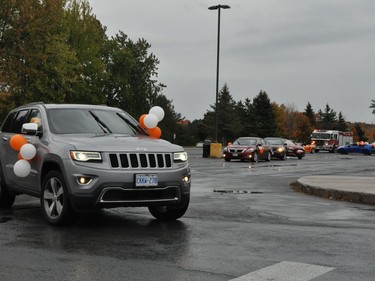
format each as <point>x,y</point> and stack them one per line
<point>244,220</point>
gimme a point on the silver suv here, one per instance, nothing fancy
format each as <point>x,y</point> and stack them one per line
<point>88,157</point>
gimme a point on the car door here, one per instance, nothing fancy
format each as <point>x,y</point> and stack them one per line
<point>9,157</point>
<point>353,148</point>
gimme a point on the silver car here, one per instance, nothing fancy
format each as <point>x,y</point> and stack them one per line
<point>88,157</point>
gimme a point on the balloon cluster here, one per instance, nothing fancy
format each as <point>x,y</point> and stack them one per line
<point>150,121</point>
<point>27,152</point>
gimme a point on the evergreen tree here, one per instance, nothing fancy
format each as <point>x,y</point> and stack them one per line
<point>328,118</point>
<point>228,117</point>
<point>264,118</point>
<point>341,123</point>
<point>310,114</point>
<point>373,106</point>
<point>359,132</point>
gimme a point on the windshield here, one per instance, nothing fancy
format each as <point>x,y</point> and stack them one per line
<point>245,142</point>
<point>275,142</point>
<point>323,136</point>
<point>81,121</point>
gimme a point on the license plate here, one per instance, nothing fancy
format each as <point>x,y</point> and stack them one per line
<point>235,154</point>
<point>146,180</point>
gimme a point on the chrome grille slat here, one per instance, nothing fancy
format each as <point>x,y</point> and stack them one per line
<point>140,160</point>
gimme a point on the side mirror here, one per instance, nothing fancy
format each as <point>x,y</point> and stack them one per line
<point>29,128</point>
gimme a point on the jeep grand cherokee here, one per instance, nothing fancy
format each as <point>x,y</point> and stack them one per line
<point>90,156</point>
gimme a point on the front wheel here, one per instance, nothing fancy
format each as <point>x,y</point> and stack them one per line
<point>54,200</point>
<point>255,157</point>
<point>169,213</point>
<point>6,198</point>
<point>268,156</point>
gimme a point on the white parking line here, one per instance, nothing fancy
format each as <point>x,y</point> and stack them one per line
<point>286,271</point>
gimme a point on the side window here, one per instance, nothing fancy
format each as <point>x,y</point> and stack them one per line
<point>7,125</point>
<point>35,117</point>
<point>18,121</point>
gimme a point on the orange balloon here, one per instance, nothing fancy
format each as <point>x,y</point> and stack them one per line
<point>19,156</point>
<point>154,132</point>
<point>17,141</point>
<point>141,121</point>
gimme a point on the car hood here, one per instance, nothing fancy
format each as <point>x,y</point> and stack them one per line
<point>294,147</point>
<point>238,147</point>
<point>116,142</point>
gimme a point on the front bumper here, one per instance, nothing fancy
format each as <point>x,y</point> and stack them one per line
<point>108,188</point>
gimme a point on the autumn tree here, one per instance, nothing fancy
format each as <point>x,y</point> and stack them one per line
<point>280,114</point>
<point>302,128</point>
<point>34,57</point>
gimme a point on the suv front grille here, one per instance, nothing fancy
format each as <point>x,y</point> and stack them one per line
<point>140,160</point>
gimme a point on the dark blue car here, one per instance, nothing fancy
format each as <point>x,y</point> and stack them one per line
<point>363,148</point>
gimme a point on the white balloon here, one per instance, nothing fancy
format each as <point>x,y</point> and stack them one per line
<point>22,168</point>
<point>150,121</point>
<point>158,111</point>
<point>28,151</point>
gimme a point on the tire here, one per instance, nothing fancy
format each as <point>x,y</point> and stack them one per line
<point>255,157</point>
<point>299,157</point>
<point>6,198</point>
<point>283,157</point>
<point>316,150</point>
<point>169,213</point>
<point>268,157</point>
<point>227,159</point>
<point>54,200</point>
<point>366,152</point>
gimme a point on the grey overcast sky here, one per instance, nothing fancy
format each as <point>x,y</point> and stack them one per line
<point>317,51</point>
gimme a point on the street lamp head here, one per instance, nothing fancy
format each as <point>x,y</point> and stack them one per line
<point>219,7</point>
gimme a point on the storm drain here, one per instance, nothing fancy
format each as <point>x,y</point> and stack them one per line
<point>238,191</point>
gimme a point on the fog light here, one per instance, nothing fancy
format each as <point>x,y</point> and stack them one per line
<point>84,180</point>
<point>186,179</point>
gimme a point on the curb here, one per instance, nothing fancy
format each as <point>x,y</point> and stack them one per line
<point>331,193</point>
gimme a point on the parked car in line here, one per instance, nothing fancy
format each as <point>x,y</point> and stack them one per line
<point>363,148</point>
<point>248,149</point>
<point>309,148</point>
<point>277,146</point>
<point>293,149</point>
<point>84,157</point>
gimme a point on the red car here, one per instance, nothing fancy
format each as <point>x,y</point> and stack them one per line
<point>293,149</point>
<point>248,148</point>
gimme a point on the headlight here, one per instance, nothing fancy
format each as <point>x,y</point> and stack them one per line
<point>180,157</point>
<point>85,156</point>
<point>280,149</point>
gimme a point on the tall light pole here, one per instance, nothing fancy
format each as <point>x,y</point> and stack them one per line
<point>218,8</point>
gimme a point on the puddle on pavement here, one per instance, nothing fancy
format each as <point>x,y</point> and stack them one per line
<point>238,191</point>
<point>5,219</point>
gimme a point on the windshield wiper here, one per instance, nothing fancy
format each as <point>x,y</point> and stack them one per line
<point>102,125</point>
<point>134,127</point>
